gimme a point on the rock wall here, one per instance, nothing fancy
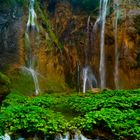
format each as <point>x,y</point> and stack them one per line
<point>59,67</point>
<point>10,22</point>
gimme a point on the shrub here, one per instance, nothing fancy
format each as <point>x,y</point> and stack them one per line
<point>31,119</point>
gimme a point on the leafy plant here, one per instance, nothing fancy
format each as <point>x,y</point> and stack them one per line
<point>31,119</point>
<point>122,124</point>
<point>116,112</point>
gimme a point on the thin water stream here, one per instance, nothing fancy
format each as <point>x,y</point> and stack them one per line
<point>117,13</point>
<point>30,38</point>
<point>102,67</point>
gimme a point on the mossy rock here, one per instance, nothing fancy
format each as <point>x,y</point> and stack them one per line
<point>4,86</point>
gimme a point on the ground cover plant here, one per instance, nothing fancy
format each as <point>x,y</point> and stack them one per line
<point>114,112</point>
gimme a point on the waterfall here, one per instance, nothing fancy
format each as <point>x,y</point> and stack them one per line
<point>84,79</point>
<point>32,17</point>
<point>5,137</point>
<point>87,47</point>
<point>82,137</point>
<point>89,77</point>
<point>33,73</point>
<point>67,136</point>
<point>98,20</point>
<point>116,74</point>
<point>59,137</point>
<point>77,136</point>
<point>30,40</point>
<point>102,17</point>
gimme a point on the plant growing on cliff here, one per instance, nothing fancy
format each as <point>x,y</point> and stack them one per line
<point>53,39</point>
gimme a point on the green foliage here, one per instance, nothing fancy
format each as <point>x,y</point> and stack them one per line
<point>122,124</point>
<point>4,79</point>
<point>5,85</point>
<point>15,99</point>
<point>116,112</point>
<point>31,119</point>
<point>20,113</point>
<point>120,99</point>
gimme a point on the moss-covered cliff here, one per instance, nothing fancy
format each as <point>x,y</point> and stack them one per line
<point>65,42</point>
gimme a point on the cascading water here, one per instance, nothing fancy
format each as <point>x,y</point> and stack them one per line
<point>30,35</point>
<point>67,137</point>
<point>32,18</point>
<point>88,43</point>
<point>80,137</point>
<point>85,69</point>
<point>98,19</point>
<point>89,77</point>
<point>34,76</point>
<point>102,17</point>
<point>84,79</point>
<point>116,74</point>
<point>5,137</point>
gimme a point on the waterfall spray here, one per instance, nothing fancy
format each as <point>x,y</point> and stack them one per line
<point>88,78</point>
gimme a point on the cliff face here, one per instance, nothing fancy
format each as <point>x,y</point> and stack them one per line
<point>10,23</point>
<point>81,43</point>
<point>81,46</point>
<point>128,45</point>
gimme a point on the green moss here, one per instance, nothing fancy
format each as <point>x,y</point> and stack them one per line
<point>23,83</point>
<point>5,85</point>
<point>53,39</point>
<point>53,85</point>
<point>4,79</point>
